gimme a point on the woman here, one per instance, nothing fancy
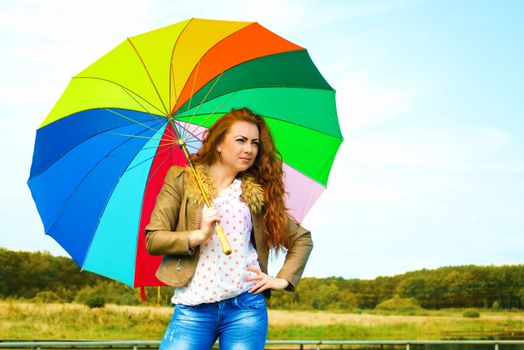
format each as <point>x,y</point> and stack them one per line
<point>219,296</point>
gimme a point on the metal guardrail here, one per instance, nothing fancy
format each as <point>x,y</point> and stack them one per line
<point>135,345</point>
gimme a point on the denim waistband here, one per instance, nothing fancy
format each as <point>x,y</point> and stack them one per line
<point>243,299</point>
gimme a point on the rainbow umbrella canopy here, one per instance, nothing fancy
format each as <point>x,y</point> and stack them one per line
<point>102,153</point>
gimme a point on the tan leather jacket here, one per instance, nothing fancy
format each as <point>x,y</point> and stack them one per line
<point>177,212</point>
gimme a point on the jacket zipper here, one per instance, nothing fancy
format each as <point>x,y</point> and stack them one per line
<point>178,265</point>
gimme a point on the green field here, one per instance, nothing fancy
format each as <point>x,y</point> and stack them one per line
<point>32,321</point>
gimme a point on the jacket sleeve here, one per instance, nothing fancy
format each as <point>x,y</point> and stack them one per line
<point>161,238</point>
<point>299,247</point>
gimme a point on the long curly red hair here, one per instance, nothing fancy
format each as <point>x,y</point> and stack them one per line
<point>267,170</point>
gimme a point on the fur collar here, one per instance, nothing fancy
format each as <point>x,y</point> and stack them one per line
<point>252,192</point>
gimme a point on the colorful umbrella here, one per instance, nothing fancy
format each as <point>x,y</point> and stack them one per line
<point>102,153</point>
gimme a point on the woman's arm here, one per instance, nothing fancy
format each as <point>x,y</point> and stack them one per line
<point>299,247</point>
<point>160,236</point>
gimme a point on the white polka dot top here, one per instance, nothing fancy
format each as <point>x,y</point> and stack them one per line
<point>219,276</point>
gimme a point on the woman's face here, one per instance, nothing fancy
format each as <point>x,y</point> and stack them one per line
<point>239,148</point>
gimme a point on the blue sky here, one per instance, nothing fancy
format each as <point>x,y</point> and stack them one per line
<point>430,96</point>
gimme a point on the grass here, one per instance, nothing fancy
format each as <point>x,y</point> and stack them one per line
<point>78,322</point>
<point>435,325</point>
<point>27,321</point>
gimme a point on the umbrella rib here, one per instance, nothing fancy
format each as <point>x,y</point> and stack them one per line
<point>153,147</point>
<point>166,144</point>
<point>171,67</point>
<point>269,86</point>
<point>253,59</point>
<point>153,156</point>
<point>75,145</point>
<point>172,75</point>
<point>139,137</point>
<point>285,121</point>
<point>205,97</point>
<point>197,135</point>
<point>157,117</point>
<point>194,138</point>
<point>148,75</point>
<point>211,48</point>
<point>131,119</point>
<point>134,99</point>
<point>107,201</point>
<point>124,88</point>
<point>232,93</point>
<point>83,179</point>
<point>192,90</point>
<point>185,126</point>
<point>150,177</point>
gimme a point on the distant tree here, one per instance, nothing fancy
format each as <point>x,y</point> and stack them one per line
<point>47,297</point>
<point>113,292</point>
<point>471,313</point>
<point>398,303</point>
<point>47,278</point>
<point>25,274</point>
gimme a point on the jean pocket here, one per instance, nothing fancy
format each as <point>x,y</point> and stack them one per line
<point>251,301</point>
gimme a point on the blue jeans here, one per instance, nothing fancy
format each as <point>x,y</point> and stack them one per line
<point>239,323</point>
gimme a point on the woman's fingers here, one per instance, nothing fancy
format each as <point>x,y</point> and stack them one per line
<point>261,286</point>
<point>211,215</point>
<point>255,270</point>
<point>254,278</point>
<point>259,274</point>
<point>264,281</point>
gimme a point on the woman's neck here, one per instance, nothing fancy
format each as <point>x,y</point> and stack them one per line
<point>222,176</point>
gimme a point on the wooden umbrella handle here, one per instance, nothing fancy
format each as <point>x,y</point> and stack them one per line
<point>222,238</point>
<point>224,243</point>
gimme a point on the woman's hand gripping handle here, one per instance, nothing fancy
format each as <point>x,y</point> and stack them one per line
<point>210,217</point>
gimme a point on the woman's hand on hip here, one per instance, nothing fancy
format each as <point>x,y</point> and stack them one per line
<point>265,281</point>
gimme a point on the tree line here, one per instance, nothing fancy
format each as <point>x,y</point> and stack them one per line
<point>41,276</point>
